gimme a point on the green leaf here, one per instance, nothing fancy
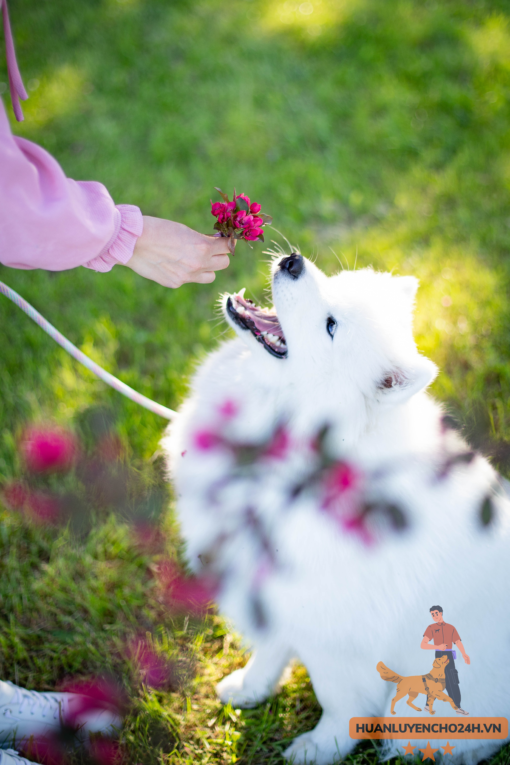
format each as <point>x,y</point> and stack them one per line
<point>242,205</point>
<point>223,196</point>
<point>268,219</point>
<point>260,238</point>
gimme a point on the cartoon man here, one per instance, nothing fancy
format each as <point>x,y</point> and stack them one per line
<point>444,636</point>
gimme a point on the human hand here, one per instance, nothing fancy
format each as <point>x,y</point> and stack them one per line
<point>441,647</point>
<point>172,254</point>
<point>467,659</point>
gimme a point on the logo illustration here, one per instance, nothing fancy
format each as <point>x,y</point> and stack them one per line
<point>440,637</point>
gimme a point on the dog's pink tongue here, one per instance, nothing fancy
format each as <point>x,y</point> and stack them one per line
<point>262,318</point>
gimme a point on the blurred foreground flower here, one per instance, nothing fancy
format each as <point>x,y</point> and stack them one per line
<point>154,669</point>
<point>239,219</point>
<point>185,593</point>
<point>47,449</point>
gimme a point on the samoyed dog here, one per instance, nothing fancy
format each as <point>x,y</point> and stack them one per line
<point>300,581</point>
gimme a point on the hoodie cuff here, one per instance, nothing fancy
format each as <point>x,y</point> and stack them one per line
<point>129,227</point>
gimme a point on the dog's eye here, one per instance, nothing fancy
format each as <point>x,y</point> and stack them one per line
<point>331,326</point>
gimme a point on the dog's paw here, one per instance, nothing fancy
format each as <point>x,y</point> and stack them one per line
<point>232,689</point>
<point>306,750</point>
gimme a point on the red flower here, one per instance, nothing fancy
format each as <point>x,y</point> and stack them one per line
<point>251,234</point>
<point>46,449</point>
<point>43,508</point>
<point>339,479</point>
<point>155,669</point>
<point>205,440</point>
<point>92,696</point>
<point>279,444</point>
<point>248,221</point>
<point>228,409</point>
<point>239,219</point>
<point>217,208</point>
<point>105,751</point>
<point>15,495</point>
<point>258,221</point>
<point>185,593</point>
<point>255,207</point>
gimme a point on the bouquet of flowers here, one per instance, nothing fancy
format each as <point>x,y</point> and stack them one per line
<point>239,219</point>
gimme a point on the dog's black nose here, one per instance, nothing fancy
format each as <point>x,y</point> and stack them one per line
<point>293,264</point>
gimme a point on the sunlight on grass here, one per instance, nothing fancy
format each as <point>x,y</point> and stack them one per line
<point>491,42</point>
<point>54,96</point>
<point>310,16</point>
<point>76,387</point>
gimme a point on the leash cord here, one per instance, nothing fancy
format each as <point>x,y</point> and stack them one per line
<point>103,375</point>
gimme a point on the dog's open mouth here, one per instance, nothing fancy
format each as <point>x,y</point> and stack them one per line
<point>262,322</point>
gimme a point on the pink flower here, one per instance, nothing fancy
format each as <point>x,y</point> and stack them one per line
<point>248,221</point>
<point>251,234</point>
<point>92,696</point>
<point>185,593</point>
<point>258,221</point>
<point>246,199</point>
<point>43,508</point>
<point>47,750</point>
<point>228,409</point>
<point>155,669</point>
<point>46,449</point>
<point>15,495</point>
<point>356,524</point>
<point>279,444</point>
<point>255,207</point>
<point>339,479</point>
<point>205,440</point>
<point>217,208</point>
<point>239,219</point>
<point>230,206</point>
<point>105,751</point>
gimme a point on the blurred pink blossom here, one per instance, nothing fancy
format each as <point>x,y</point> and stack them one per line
<point>205,440</point>
<point>185,593</point>
<point>15,495</point>
<point>43,507</point>
<point>105,751</point>
<point>279,445</point>
<point>44,449</point>
<point>255,207</point>
<point>229,409</point>
<point>155,669</point>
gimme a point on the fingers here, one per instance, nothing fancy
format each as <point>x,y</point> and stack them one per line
<point>206,277</point>
<point>218,245</point>
<point>220,262</point>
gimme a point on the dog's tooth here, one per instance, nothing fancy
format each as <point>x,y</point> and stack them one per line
<point>241,292</point>
<point>271,337</point>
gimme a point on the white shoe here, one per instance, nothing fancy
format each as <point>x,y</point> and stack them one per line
<point>10,757</point>
<point>28,713</point>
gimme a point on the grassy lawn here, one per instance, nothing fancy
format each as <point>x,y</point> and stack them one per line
<point>375,133</point>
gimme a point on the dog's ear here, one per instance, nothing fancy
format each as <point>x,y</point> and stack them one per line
<point>400,383</point>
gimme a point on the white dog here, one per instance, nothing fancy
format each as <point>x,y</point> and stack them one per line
<point>340,351</point>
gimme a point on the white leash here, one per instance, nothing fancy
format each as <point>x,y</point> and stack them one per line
<point>109,379</point>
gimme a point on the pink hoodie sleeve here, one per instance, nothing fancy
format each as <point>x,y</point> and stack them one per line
<point>52,222</point>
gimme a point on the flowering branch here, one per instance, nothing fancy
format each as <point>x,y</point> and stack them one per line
<point>239,219</point>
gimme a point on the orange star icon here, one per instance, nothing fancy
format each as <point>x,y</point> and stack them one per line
<point>448,749</point>
<point>408,749</point>
<point>428,752</point>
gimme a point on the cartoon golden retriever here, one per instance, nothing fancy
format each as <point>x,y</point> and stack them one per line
<point>432,685</point>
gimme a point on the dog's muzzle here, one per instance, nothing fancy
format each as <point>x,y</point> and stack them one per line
<point>293,265</point>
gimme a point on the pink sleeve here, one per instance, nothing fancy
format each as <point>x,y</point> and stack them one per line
<point>52,222</point>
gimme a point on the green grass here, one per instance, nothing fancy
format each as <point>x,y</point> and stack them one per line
<point>375,129</point>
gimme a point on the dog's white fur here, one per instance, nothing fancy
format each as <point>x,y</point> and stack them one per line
<point>337,605</point>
